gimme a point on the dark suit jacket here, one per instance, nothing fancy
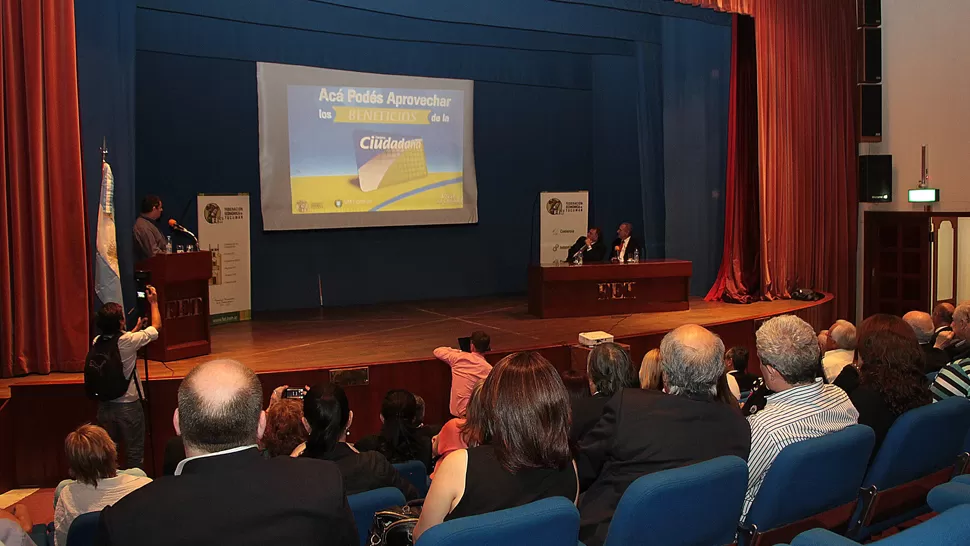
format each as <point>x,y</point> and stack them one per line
<point>586,413</point>
<point>642,432</point>
<point>634,244</point>
<point>936,333</point>
<point>239,498</point>
<point>365,471</point>
<point>595,254</point>
<point>934,359</point>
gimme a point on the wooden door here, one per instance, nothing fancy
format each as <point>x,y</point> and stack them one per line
<point>897,260</point>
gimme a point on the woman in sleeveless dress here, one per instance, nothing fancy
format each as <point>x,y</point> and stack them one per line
<point>523,447</point>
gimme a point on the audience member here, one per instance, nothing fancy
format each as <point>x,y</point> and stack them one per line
<point>576,382</point>
<point>954,378</point>
<point>838,344</point>
<point>889,379</point>
<point>398,440</point>
<point>609,369</point>
<point>15,526</point>
<point>957,347</point>
<point>645,431</point>
<point>460,433</point>
<point>922,325</point>
<point>429,431</point>
<point>942,320</point>
<point>728,393</point>
<point>327,417</point>
<point>651,374</point>
<point>524,456</point>
<point>124,417</point>
<point>467,369</point>
<point>802,406</point>
<point>92,460</point>
<point>284,428</point>
<point>737,358</point>
<point>225,492</point>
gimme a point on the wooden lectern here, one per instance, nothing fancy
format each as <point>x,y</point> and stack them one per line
<point>182,283</point>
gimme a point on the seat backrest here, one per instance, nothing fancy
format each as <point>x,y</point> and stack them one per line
<point>922,441</point>
<point>696,504</point>
<point>365,504</point>
<point>83,529</point>
<point>550,522</point>
<point>812,476</point>
<point>416,473</point>
<point>951,528</point>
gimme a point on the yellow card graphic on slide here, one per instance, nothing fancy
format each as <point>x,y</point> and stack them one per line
<point>343,193</point>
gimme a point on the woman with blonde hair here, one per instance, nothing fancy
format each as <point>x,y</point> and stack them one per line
<point>93,461</point>
<point>651,374</point>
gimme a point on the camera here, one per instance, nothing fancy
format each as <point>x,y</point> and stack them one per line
<point>294,392</point>
<point>142,280</point>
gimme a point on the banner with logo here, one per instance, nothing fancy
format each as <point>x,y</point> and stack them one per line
<point>224,231</point>
<point>562,219</point>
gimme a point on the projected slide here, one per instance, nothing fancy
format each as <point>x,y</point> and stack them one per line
<point>363,149</point>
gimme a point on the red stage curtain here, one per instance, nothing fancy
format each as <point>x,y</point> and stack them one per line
<point>44,267</point>
<point>739,278</point>
<point>806,74</point>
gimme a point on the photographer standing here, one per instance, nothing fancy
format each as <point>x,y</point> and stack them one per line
<point>124,417</point>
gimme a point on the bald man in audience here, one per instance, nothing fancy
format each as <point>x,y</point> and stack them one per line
<point>225,491</point>
<point>838,342</point>
<point>922,324</point>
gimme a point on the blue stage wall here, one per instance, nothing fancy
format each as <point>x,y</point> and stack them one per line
<point>568,96</point>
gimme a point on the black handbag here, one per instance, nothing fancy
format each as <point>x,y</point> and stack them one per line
<point>395,526</point>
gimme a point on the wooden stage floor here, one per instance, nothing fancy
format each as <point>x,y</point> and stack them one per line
<point>326,338</point>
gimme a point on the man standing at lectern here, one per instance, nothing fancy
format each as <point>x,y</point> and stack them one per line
<point>148,239</point>
<point>626,244</point>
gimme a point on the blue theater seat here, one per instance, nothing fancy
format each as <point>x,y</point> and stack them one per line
<point>918,454</point>
<point>695,505</point>
<point>365,504</point>
<point>951,528</point>
<point>812,483</point>
<point>549,522</point>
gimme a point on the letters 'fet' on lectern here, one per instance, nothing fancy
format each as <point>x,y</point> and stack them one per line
<point>182,283</point>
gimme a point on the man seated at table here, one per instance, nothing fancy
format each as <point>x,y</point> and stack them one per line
<point>626,245</point>
<point>591,247</point>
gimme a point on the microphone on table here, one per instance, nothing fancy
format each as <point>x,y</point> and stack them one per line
<point>179,227</point>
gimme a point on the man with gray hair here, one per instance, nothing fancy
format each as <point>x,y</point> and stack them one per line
<point>838,344</point>
<point>922,324</point>
<point>802,407</point>
<point>954,378</point>
<point>646,431</point>
<point>225,491</point>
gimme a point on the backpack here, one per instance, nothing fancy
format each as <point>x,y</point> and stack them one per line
<point>395,526</point>
<point>104,372</point>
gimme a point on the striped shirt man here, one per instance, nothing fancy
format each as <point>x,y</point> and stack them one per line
<point>796,414</point>
<point>953,380</point>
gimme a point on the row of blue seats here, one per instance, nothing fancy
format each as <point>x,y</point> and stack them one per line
<point>825,482</point>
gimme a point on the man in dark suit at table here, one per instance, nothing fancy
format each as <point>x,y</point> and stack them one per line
<point>591,246</point>
<point>626,245</point>
<point>225,491</point>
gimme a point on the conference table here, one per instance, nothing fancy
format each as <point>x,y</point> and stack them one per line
<point>557,291</point>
